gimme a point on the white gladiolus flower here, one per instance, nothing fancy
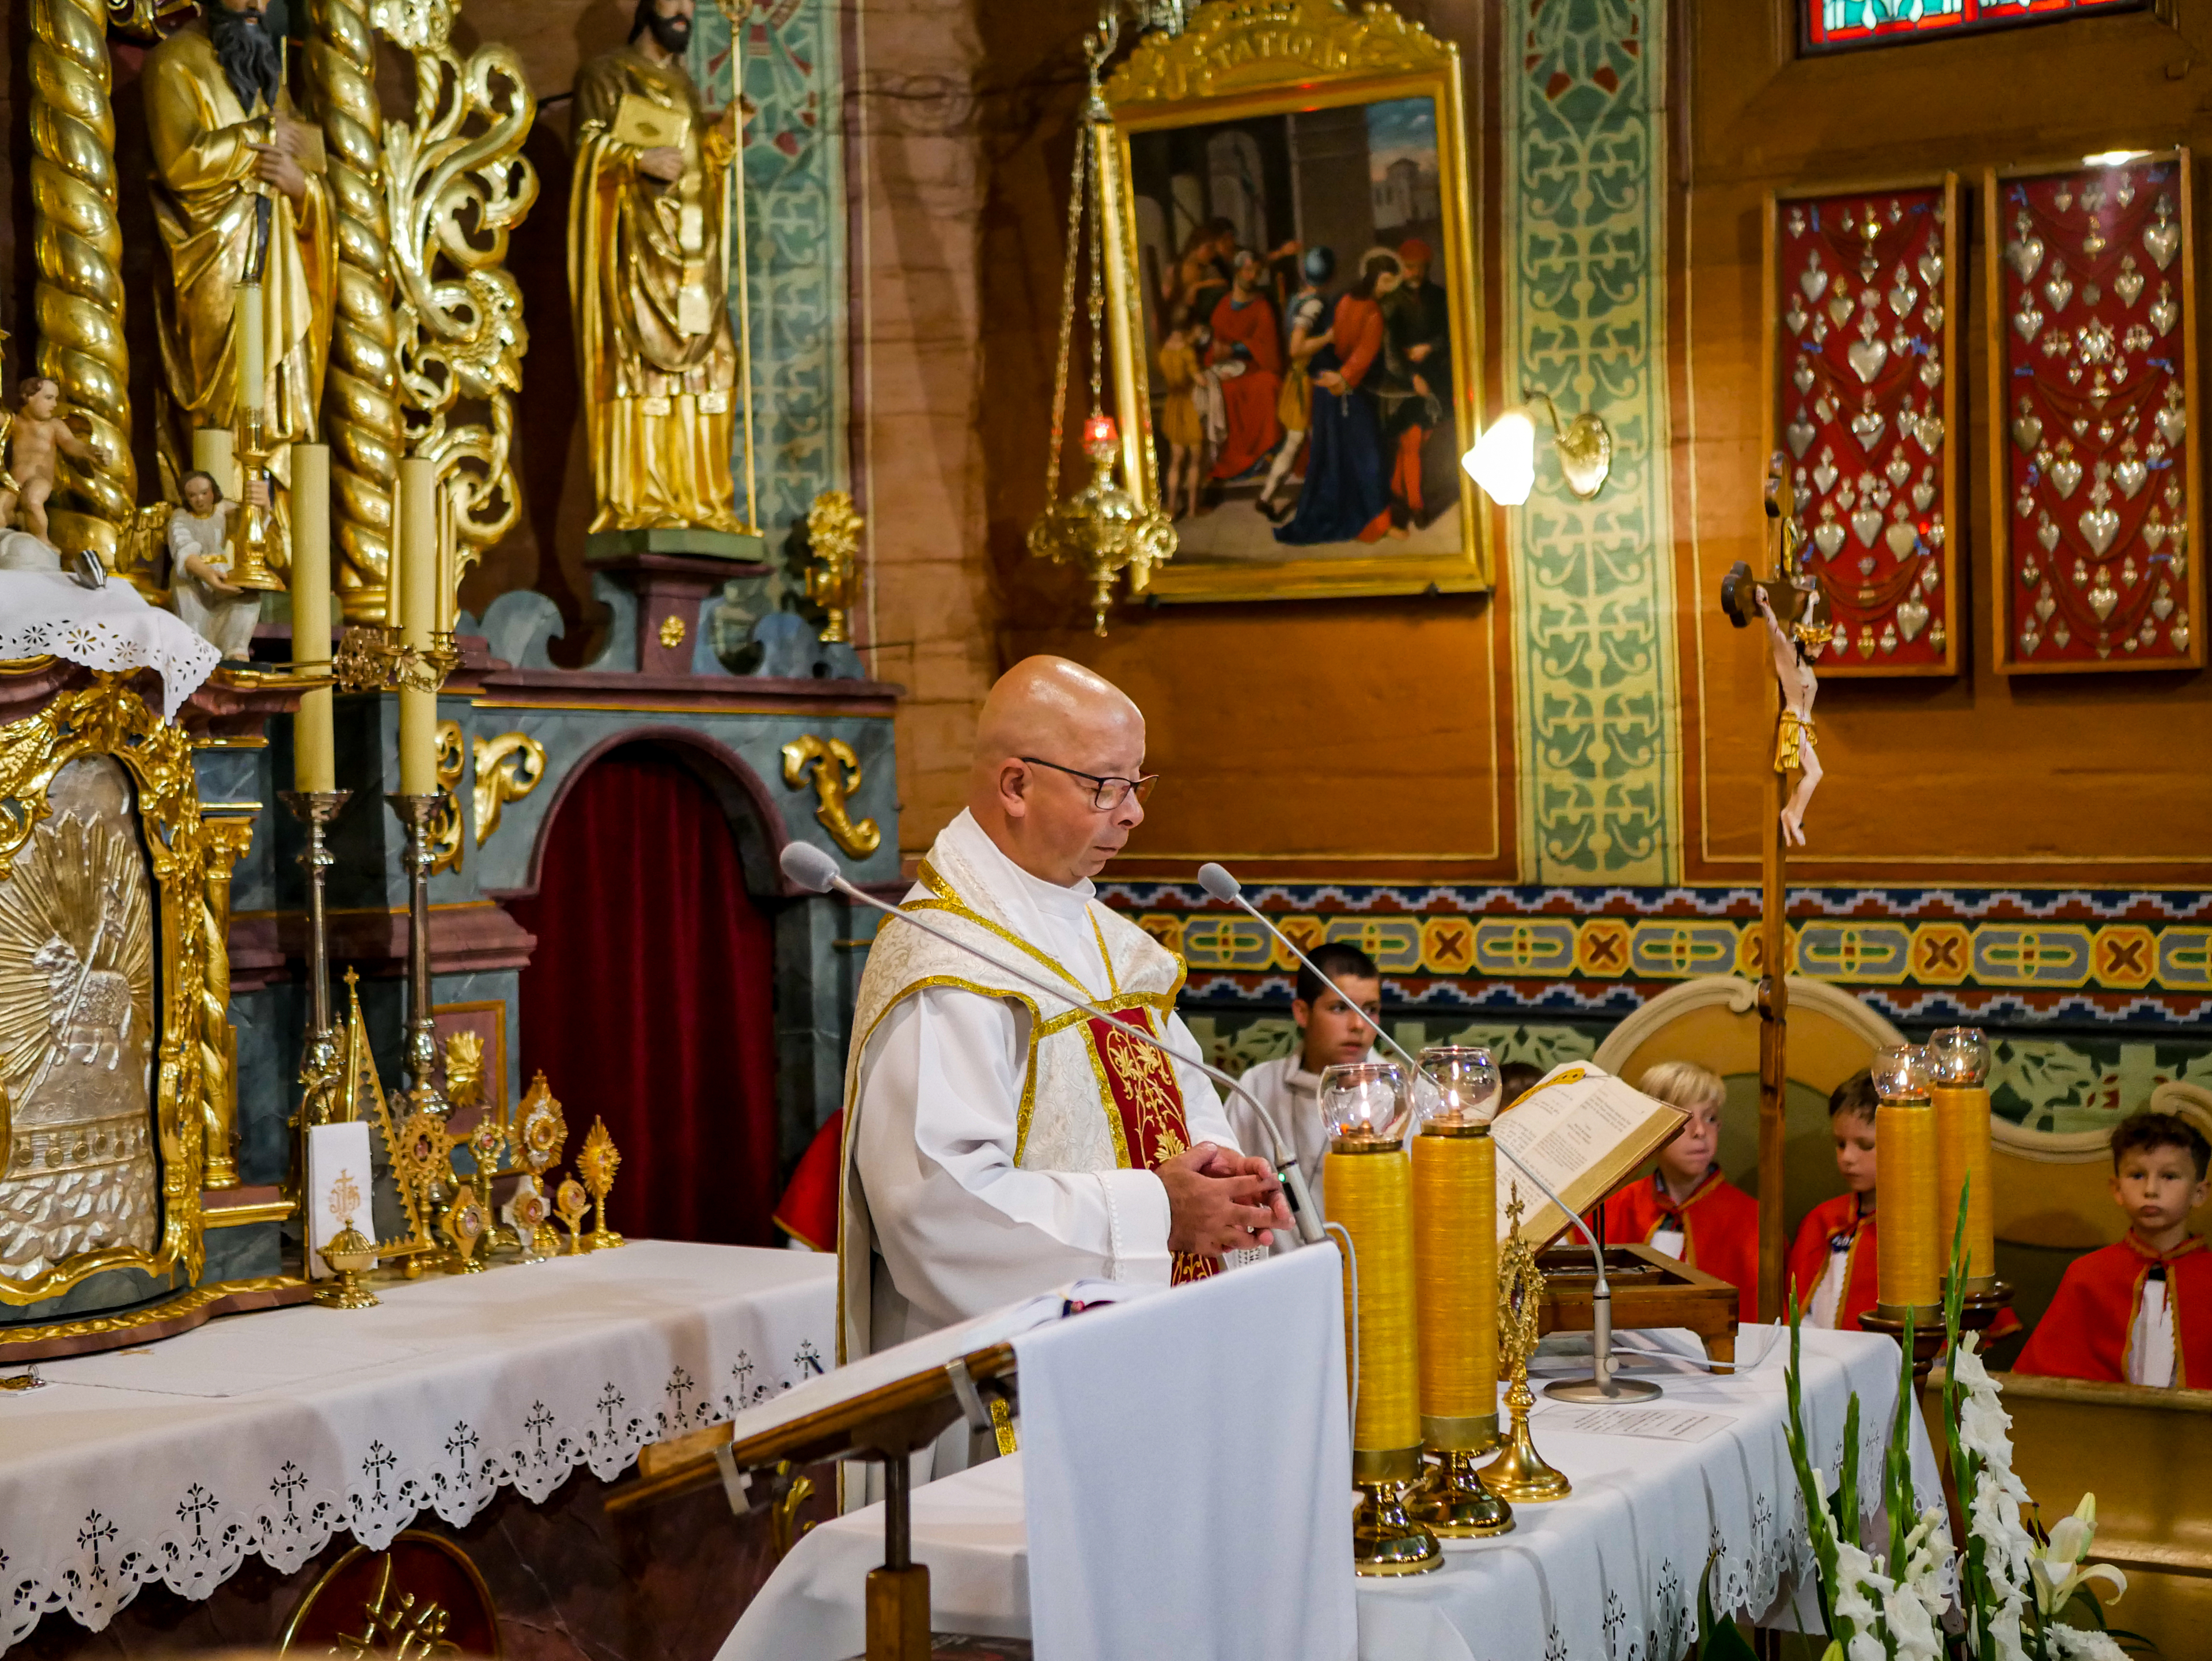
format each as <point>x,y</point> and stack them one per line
<point>1856,1597</point>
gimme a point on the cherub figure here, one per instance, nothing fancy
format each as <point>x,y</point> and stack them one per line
<point>1793,738</point>
<point>35,432</point>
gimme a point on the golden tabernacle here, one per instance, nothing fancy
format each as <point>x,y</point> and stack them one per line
<point>1527,975</point>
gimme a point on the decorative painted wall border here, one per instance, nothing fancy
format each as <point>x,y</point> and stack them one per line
<point>2001,957</point>
<point>789,63</point>
<point>1592,582</point>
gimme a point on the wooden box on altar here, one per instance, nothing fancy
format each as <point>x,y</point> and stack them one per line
<point>1649,1289</point>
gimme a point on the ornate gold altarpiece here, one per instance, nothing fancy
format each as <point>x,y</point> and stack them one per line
<point>113,1078</point>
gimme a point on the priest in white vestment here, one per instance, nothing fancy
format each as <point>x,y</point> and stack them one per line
<point>998,1143</point>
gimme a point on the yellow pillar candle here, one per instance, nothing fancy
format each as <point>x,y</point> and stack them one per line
<point>1910,1272</point>
<point>1455,1268</point>
<point>252,357</point>
<point>1369,1191</point>
<point>1959,1062</point>
<point>418,562</point>
<point>314,763</point>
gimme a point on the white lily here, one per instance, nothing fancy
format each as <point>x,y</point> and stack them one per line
<point>2058,1569</point>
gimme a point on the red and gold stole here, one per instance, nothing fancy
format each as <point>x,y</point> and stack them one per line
<point>1140,1087</point>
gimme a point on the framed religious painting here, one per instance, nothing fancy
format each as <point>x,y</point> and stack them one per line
<point>1862,363</point>
<point>1290,275</point>
<point>2094,470</point>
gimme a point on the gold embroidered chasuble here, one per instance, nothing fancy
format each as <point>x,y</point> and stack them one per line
<point>1092,1100</point>
<point>646,268</point>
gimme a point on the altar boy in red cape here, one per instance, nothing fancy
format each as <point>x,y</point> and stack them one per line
<point>1687,1208</point>
<point>2140,1311</point>
<point>1832,1263</point>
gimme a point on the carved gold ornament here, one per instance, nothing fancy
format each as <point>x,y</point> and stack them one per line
<point>228,840</point>
<point>100,1043</point>
<point>448,836</point>
<point>672,631</point>
<point>455,183</point>
<point>832,570</point>
<point>596,1162</point>
<point>361,387</point>
<point>836,778</point>
<point>77,246</point>
<point>540,1132</point>
<point>508,768</point>
<point>405,1603</point>
<point>464,1068</point>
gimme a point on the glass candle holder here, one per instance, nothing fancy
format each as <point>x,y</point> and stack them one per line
<point>1902,1074</point>
<point>1366,1102</point>
<point>1457,1084</point>
<point>1959,1058</point>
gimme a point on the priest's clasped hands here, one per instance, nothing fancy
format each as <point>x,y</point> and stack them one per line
<point>1220,1201</point>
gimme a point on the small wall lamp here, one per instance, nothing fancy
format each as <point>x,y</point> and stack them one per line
<point>1504,459</point>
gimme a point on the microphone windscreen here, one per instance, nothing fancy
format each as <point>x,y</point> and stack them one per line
<point>808,867</point>
<point>1219,882</point>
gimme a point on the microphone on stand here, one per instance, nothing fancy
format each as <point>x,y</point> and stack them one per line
<point>809,868</point>
<point>1601,1385</point>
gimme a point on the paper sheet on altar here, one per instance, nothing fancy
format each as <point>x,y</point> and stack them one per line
<point>1180,1491</point>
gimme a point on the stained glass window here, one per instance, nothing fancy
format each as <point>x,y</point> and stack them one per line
<point>1838,25</point>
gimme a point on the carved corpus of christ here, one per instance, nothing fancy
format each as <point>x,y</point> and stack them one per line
<point>1793,735</point>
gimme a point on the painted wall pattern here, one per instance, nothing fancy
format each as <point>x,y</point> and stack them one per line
<point>1592,584</point>
<point>2091,998</point>
<point>787,54</point>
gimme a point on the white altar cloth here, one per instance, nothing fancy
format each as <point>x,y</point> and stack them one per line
<point>1609,1573</point>
<point>265,1434</point>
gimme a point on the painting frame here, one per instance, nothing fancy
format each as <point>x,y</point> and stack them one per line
<point>1852,658</point>
<point>2013,554</point>
<point>1239,61</point>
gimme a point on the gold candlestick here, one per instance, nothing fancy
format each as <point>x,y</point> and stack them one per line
<point>1520,1474</point>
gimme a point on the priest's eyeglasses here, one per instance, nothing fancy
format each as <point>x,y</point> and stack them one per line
<point>1107,793</point>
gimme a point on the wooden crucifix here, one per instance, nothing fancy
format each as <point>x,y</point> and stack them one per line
<point>1789,603</point>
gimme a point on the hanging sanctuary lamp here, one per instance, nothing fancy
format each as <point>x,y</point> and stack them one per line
<point>1103,527</point>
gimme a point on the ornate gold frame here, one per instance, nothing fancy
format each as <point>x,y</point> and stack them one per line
<point>1246,58</point>
<point>107,718</point>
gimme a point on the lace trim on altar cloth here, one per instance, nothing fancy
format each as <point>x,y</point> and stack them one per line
<point>284,1514</point>
<point>130,638</point>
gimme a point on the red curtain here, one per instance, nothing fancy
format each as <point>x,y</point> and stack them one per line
<point>649,1000</point>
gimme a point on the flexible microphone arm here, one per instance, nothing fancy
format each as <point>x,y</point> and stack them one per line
<point>1216,880</point>
<point>815,871</point>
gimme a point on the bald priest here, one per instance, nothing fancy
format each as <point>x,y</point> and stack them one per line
<point>999,1141</point>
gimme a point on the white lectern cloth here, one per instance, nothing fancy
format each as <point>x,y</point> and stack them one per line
<point>1184,1458</point>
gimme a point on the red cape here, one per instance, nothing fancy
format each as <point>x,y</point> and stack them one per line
<point>1719,1223</point>
<point>1255,429</point>
<point>2085,1332</point>
<point>1808,1258</point>
<point>808,1210</point>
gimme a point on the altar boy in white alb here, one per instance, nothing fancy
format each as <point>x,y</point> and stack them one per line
<point>998,1143</point>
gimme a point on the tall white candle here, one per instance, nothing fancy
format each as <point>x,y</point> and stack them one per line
<point>314,763</point>
<point>418,590</point>
<point>253,349</point>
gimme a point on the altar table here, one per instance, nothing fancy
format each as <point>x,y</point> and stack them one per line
<point>268,1434</point>
<point>1612,1571</point>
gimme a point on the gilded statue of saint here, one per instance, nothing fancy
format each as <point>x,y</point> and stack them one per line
<point>235,200</point>
<point>647,254</point>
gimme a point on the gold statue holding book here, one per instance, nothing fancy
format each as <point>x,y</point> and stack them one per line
<point>649,253</point>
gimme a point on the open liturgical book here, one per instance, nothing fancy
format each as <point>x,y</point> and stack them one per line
<point>1583,1131</point>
